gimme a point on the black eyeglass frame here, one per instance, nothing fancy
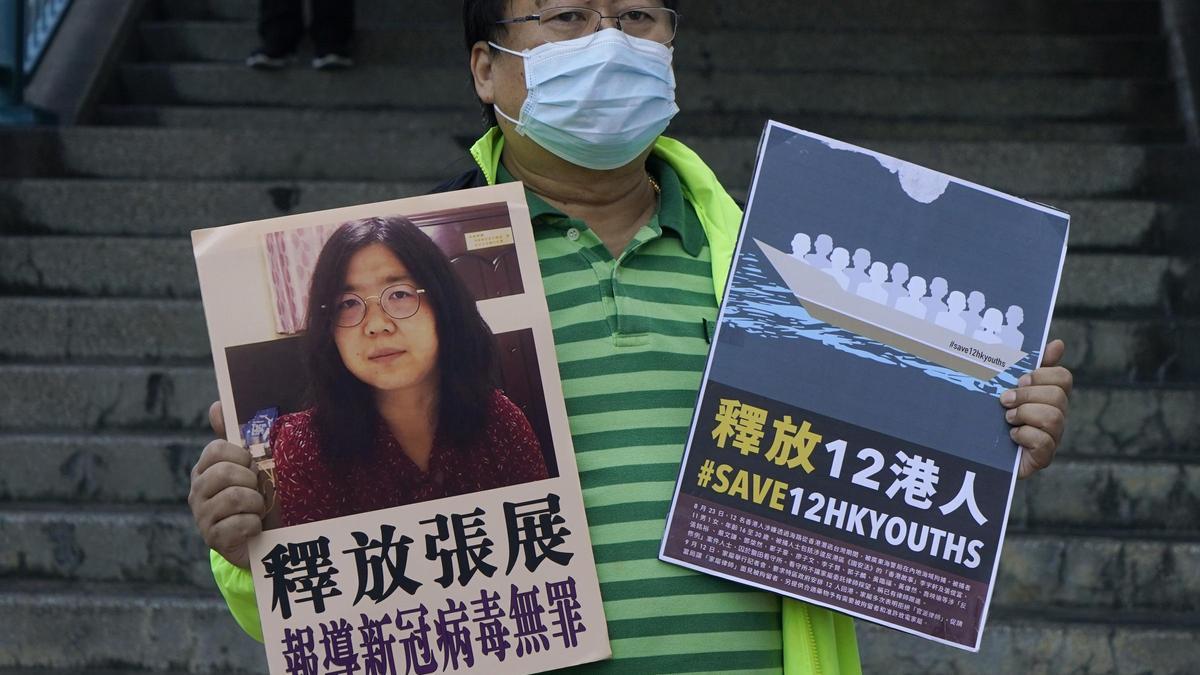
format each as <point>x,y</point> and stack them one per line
<point>418,292</point>
<point>599,26</point>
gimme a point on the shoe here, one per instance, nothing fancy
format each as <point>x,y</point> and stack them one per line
<point>261,60</point>
<point>332,61</point>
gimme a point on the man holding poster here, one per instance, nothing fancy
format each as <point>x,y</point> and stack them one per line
<point>635,238</point>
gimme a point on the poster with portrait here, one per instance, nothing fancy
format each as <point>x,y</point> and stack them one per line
<point>391,369</point>
<point>849,448</point>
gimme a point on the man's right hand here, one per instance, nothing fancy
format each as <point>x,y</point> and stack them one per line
<point>224,498</point>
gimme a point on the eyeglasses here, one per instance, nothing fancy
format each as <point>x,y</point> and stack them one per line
<point>557,24</point>
<point>398,301</point>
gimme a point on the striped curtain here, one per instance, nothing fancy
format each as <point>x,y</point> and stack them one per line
<point>291,258</point>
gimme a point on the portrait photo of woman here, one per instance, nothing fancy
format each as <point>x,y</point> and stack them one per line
<point>401,404</point>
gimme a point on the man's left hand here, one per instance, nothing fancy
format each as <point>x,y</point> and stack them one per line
<point>1037,409</point>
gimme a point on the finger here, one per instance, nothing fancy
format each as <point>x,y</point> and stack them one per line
<point>232,501</point>
<point>218,451</point>
<point>1037,446</point>
<point>216,420</point>
<point>1052,375</point>
<point>1054,353</point>
<point>1027,467</point>
<point>1044,393</point>
<point>219,477</point>
<point>1039,415</point>
<point>233,532</point>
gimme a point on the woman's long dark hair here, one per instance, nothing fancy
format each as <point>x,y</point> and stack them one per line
<point>343,406</point>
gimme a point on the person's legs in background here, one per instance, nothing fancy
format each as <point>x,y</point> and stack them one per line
<point>280,27</point>
<point>332,29</point>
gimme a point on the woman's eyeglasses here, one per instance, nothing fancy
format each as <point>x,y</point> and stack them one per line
<point>398,301</point>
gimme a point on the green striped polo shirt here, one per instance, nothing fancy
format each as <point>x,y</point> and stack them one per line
<point>631,336</point>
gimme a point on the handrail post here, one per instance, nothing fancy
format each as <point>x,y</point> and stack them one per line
<point>13,21</point>
<point>26,28</point>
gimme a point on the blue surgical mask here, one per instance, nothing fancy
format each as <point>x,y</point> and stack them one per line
<point>597,101</point>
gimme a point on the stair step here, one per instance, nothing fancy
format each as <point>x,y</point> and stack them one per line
<point>727,49</point>
<point>1134,422</point>
<point>142,545</point>
<point>123,152</point>
<point>159,267</point>
<point>168,628</point>
<point>1119,17</point>
<point>927,128</point>
<point>1120,223</point>
<point>1140,494</point>
<point>77,397</point>
<point>113,468</point>
<point>1061,169</point>
<point>160,628</point>
<point>367,12</point>
<point>174,208</point>
<point>1108,281</point>
<point>786,96</point>
<point>417,123</point>
<point>955,16</point>
<point>466,122</point>
<point>101,330</point>
<point>1094,572</point>
<point>1129,350</point>
<point>121,266</point>
<point>139,545</point>
<point>1097,643</point>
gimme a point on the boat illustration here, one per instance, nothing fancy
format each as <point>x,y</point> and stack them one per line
<point>825,300</point>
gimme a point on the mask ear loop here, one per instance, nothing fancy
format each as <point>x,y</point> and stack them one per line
<point>496,108</point>
<point>500,112</point>
<point>506,49</point>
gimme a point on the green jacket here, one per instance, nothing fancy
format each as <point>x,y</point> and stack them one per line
<point>816,641</point>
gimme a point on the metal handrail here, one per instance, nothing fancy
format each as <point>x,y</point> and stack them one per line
<point>42,18</point>
<point>26,29</point>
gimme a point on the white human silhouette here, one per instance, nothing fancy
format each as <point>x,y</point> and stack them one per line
<point>895,287</point>
<point>873,290</point>
<point>820,259</point>
<point>838,261</point>
<point>1009,335</point>
<point>975,305</point>
<point>858,273</point>
<point>989,327</point>
<point>911,303</point>
<point>800,246</point>
<point>937,292</point>
<point>950,318</point>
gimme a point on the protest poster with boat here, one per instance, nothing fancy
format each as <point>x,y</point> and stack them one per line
<point>849,448</point>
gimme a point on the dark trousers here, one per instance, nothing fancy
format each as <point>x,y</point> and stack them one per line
<point>281,25</point>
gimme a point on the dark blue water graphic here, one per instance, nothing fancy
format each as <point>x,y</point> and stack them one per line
<point>758,304</point>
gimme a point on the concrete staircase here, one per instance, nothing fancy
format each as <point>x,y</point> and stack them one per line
<point>105,370</point>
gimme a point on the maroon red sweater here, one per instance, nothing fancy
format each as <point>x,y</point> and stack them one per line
<point>308,488</point>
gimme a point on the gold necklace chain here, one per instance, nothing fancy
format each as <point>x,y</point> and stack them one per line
<point>654,184</point>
